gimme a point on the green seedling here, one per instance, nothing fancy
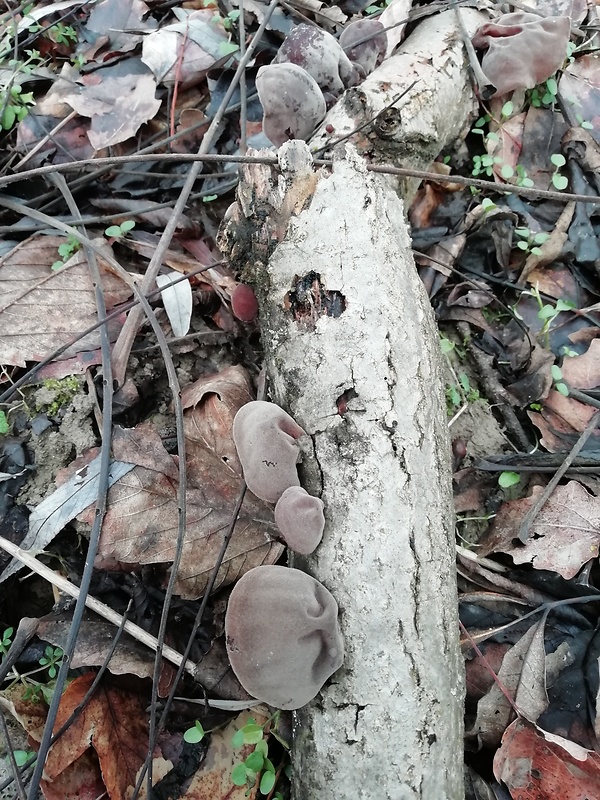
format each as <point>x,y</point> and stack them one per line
<point>559,181</point>
<point>508,479</point>
<point>119,231</point>
<point>4,426</point>
<point>65,251</point>
<point>529,242</point>
<point>6,641</point>
<point>544,94</point>
<point>14,103</point>
<point>559,384</point>
<point>22,757</point>
<point>52,656</point>
<point>257,768</point>
<point>462,392</point>
<point>195,734</point>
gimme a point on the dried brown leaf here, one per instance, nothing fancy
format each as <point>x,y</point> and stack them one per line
<point>42,309</point>
<point>564,535</point>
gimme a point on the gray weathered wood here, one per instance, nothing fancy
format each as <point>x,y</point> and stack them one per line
<point>365,383</point>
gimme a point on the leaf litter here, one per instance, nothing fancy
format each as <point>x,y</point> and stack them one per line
<point>514,284</point>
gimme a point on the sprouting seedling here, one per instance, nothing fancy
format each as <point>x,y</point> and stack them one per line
<point>118,231</point>
<point>559,383</point>
<point>257,766</point>
<point>530,242</point>
<point>195,734</point>
<point>507,479</point>
<point>52,656</point>
<point>6,641</point>
<point>65,251</point>
<point>559,181</point>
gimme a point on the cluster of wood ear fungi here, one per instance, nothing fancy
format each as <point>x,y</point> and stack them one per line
<point>310,71</point>
<point>281,626</point>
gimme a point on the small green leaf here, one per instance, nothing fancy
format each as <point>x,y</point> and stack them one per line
<point>252,733</point>
<point>487,204</point>
<point>508,479</point>
<point>238,739</point>
<point>546,312</point>
<point>527,182</point>
<point>559,182</point>
<point>564,305</point>
<point>507,171</point>
<point>523,232</point>
<point>562,388</point>
<point>255,761</point>
<point>225,48</point>
<point>522,245</point>
<point>552,86</point>
<point>446,346</point>
<point>8,118</point>
<point>128,225</point>
<point>558,159</point>
<point>587,125</point>
<point>507,109</point>
<point>238,775</point>
<point>21,757</point>
<point>268,765</point>
<point>113,230</point>
<point>209,198</point>
<point>267,782</point>
<point>4,429</point>
<point>541,237</point>
<point>556,372</point>
<point>262,747</point>
<point>195,734</point>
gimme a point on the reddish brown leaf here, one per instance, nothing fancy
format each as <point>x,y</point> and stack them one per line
<point>114,723</point>
<point>535,764</point>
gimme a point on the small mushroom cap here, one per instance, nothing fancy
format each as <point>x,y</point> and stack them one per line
<point>265,438</point>
<point>300,519</point>
<point>292,102</point>
<point>282,635</point>
<point>368,54</point>
<point>244,303</point>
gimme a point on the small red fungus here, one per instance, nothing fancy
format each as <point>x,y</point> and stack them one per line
<point>244,303</point>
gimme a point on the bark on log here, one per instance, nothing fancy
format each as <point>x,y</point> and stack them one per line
<point>428,117</point>
<point>352,352</point>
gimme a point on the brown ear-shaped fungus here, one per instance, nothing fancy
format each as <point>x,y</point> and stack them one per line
<point>265,438</point>
<point>292,102</point>
<point>300,519</point>
<point>282,635</point>
<point>367,54</point>
<point>522,49</point>
<point>321,55</point>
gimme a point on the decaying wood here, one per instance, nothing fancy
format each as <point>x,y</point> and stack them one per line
<point>429,74</point>
<point>352,352</point>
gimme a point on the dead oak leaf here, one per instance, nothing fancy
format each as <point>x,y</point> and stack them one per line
<point>114,723</point>
<point>141,522</point>
<point>563,537</point>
